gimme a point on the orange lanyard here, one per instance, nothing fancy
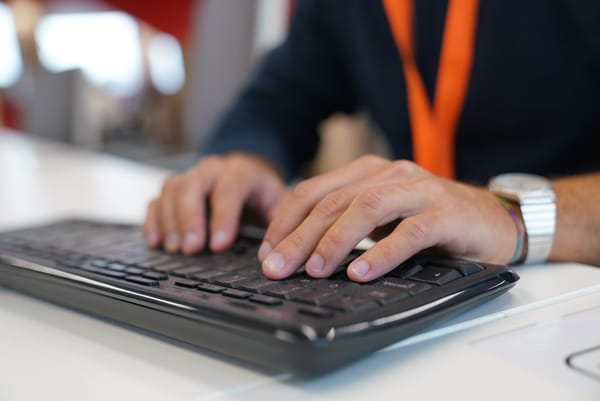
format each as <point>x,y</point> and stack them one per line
<point>434,125</point>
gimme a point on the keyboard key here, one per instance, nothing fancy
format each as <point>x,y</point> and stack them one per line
<point>284,289</point>
<point>167,267</point>
<point>464,266</point>
<point>236,294</point>
<point>155,276</point>
<point>105,272</point>
<point>351,304</point>
<point>134,270</point>
<point>155,261</point>
<point>254,284</point>
<point>382,294</point>
<point>99,262</point>
<point>231,266</point>
<point>317,296</point>
<point>143,281</point>
<point>412,287</point>
<point>265,300</point>
<point>215,289</point>
<point>181,282</point>
<point>134,259</point>
<point>208,275</point>
<point>117,266</point>
<point>187,271</point>
<point>406,270</point>
<point>230,280</point>
<point>436,275</point>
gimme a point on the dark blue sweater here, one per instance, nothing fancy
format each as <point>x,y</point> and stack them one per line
<point>533,103</point>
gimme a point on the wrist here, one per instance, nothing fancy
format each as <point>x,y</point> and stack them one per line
<point>514,211</point>
<point>537,204</point>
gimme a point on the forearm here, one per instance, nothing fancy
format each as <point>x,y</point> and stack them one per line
<point>577,236</point>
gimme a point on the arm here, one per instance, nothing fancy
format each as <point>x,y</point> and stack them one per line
<point>577,236</point>
<point>298,85</point>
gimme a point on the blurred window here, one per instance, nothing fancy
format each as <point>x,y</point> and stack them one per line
<point>104,45</point>
<point>11,65</point>
<point>165,60</point>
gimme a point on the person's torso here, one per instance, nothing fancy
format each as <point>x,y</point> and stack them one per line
<point>533,100</point>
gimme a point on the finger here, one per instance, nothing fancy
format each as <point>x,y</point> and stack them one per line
<point>296,248</point>
<point>306,194</point>
<point>151,225</point>
<point>371,208</point>
<point>227,201</point>
<point>191,204</point>
<point>167,214</point>
<point>410,236</point>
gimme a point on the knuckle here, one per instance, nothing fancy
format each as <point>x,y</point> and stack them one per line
<point>332,240</point>
<point>296,241</point>
<point>418,231</point>
<point>370,200</point>
<point>403,167</point>
<point>432,186</point>
<point>171,184</point>
<point>151,210</point>
<point>209,161</point>
<point>187,218</point>
<point>331,205</point>
<point>152,205</point>
<point>302,191</point>
<point>371,160</point>
<point>387,253</point>
<point>276,231</point>
<point>236,163</point>
<point>206,164</point>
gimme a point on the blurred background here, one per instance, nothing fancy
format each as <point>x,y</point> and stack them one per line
<point>145,80</point>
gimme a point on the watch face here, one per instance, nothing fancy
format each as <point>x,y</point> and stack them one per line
<point>521,182</point>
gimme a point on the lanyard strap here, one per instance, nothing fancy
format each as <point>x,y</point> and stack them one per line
<point>433,124</point>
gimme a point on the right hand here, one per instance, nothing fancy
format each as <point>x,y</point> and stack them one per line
<point>177,219</point>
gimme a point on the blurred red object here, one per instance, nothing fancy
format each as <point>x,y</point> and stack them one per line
<point>9,114</point>
<point>173,17</point>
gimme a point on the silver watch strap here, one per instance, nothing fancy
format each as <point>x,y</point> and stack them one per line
<point>539,217</point>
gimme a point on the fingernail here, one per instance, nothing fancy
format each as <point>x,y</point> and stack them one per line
<point>172,242</point>
<point>218,239</point>
<point>359,268</point>
<point>315,264</point>
<point>152,238</point>
<point>264,250</point>
<point>274,263</point>
<point>191,242</point>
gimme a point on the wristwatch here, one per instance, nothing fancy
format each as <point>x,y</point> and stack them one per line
<point>537,201</point>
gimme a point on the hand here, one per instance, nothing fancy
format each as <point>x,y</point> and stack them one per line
<point>177,218</point>
<point>324,217</point>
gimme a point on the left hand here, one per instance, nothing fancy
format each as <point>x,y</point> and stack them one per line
<point>324,217</point>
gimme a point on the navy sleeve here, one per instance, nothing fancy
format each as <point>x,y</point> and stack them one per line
<point>299,84</point>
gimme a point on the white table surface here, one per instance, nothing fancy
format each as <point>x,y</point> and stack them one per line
<point>48,352</point>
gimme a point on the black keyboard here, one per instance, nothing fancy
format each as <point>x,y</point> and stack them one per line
<point>223,303</point>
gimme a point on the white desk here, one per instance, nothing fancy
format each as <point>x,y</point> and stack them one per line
<point>49,352</point>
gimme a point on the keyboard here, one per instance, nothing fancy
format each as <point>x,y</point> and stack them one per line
<point>221,301</point>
